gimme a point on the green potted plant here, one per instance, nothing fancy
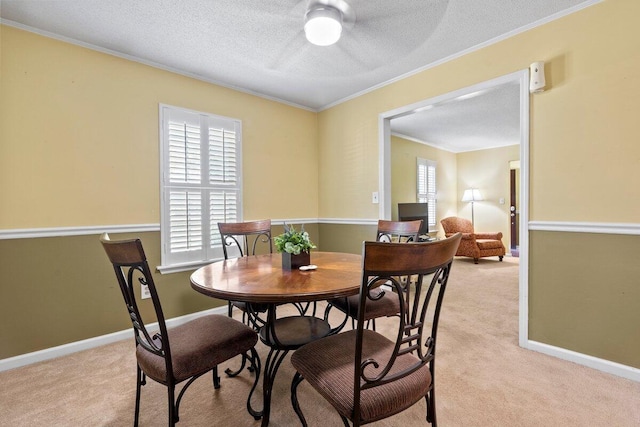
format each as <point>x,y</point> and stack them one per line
<point>295,247</point>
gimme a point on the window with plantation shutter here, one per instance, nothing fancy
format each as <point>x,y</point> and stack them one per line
<point>426,186</point>
<point>200,174</point>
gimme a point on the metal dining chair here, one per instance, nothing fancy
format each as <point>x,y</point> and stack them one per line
<point>367,376</point>
<point>185,352</point>
<point>241,239</point>
<point>384,304</point>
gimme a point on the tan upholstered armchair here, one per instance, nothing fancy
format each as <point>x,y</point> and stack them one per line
<point>474,245</point>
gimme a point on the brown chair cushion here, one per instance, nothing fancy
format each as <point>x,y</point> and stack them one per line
<point>489,244</point>
<point>328,365</point>
<point>255,307</point>
<point>197,346</point>
<point>388,305</point>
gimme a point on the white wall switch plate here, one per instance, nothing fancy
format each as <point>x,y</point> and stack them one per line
<point>374,197</point>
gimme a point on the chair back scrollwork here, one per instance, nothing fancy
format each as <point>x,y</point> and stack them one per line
<point>132,270</point>
<point>391,265</point>
<point>398,231</point>
<point>248,238</point>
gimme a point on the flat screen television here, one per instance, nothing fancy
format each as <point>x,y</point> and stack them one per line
<point>414,211</point>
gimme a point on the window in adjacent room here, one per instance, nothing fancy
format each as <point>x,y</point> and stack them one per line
<point>427,187</point>
<point>200,170</point>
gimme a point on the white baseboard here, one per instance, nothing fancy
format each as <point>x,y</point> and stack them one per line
<point>63,350</point>
<point>603,365</point>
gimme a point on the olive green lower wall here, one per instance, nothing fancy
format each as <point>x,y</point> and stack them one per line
<point>346,237</point>
<point>58,290</point>
<point>584,293</point>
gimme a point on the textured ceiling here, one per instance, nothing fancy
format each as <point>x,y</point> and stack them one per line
<point>258,46</point>
<point>488,119</point>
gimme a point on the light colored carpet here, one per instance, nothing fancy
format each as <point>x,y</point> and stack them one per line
<point>482,378</point>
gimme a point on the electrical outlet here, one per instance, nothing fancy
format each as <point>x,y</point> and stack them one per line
<point>144,291</point>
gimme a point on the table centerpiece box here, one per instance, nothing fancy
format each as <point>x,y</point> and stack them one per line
<point>295,247</point>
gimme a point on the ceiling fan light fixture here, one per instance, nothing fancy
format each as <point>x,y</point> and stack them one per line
<point>323,25</point>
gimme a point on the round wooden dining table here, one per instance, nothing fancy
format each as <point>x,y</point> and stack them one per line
<point>261,279</point>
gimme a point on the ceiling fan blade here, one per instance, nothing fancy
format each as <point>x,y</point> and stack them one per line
<point>271,9</point>
<point>364,44</point>
<point>293,49</point>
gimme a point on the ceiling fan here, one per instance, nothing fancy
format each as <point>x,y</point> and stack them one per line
<point>372,32</point>
<point>324,20</point>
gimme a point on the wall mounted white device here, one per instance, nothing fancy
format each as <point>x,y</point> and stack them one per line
<point>536,75</point>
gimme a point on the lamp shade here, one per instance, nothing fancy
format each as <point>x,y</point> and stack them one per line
<point>323,25</point>
<point>472,195</point>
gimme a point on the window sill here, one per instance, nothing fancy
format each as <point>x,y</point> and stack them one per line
<point>176,268</point>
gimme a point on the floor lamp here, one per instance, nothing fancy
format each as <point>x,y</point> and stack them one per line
<point>472,195</point>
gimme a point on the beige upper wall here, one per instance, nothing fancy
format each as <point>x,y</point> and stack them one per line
<point>404,154</point>
<point>79,138</point>
<point>68,116</point>
<point>348,162</point>
<point>586,120</point>
<point>488,171</point>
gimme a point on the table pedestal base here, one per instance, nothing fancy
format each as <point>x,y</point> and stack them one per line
<point>283,335</point>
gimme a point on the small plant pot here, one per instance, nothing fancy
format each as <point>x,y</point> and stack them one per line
<point>292,262</point>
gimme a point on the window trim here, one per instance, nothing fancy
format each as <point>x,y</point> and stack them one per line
<point>429,196</point>
<point>168,265</point>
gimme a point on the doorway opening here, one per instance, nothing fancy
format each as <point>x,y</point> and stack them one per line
<point>514,211</point>
<point>521,78</point>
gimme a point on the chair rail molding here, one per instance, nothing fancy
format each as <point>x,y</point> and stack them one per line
<point>586,227</point>
<point>348,221</point>
<point>32,233</point>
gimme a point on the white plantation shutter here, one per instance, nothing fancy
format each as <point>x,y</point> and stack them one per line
<point>185,221</point>
<point>222,156</point>
<point>200,171</point>
<point>223,207</point>
<point>426,186</point>
<point>184,153</point>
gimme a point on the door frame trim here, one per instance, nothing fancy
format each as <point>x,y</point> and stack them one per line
<point>384,185</point>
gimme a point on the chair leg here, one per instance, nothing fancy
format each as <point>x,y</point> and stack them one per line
<point>140,381</point>
<point>431,407</point>
<point>297,379</point>
<point>173,410</point>
<point>172,388</point>
<point>231,373</point>
<point>500,258</point>
<point>475,260</point>
<point>216,378</point>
